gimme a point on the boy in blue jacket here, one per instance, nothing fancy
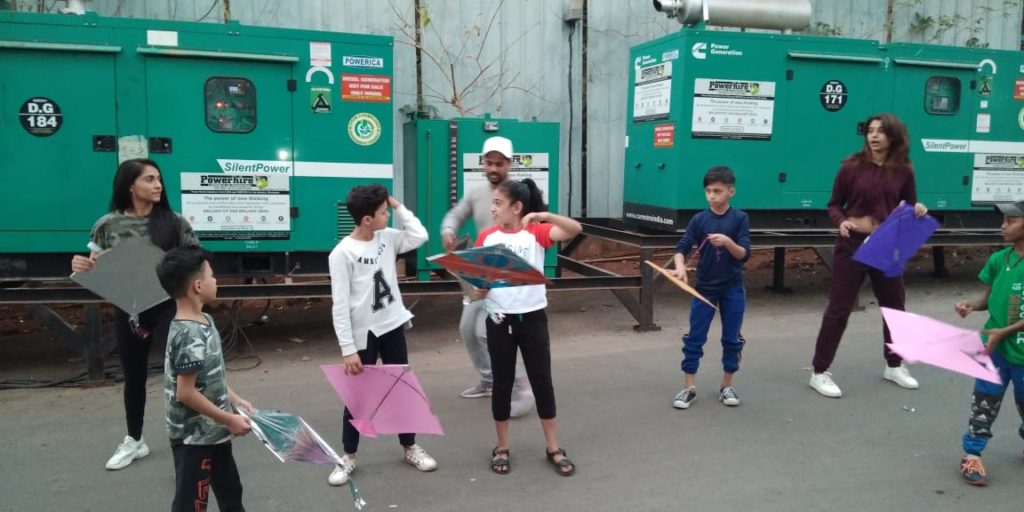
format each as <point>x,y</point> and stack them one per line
<point>723,234</point>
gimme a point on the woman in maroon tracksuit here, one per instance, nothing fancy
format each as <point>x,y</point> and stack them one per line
<point>870,184</point>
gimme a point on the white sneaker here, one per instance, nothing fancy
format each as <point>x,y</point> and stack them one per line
<point>822,383</point>
<point>339,476</point>
<point>418,458</point>
<point>128,451</point>
<point>685,398</point>
<point>901,376</point>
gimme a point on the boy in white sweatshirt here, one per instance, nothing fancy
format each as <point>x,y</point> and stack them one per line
<point>368,313</point>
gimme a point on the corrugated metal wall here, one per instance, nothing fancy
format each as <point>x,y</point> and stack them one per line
<point>526,54</point>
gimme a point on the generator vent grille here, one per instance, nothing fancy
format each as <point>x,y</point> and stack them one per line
<point>345,222</point>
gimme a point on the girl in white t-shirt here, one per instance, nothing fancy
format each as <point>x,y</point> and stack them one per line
<point>517,319</point>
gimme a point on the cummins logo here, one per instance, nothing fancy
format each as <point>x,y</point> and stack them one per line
<point>699,50</point>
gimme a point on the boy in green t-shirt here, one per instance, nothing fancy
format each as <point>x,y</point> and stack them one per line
<point>200,419</point>
<point>1004,340</point>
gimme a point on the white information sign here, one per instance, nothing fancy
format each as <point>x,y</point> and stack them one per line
<point>237,206</point>
<point>319,54</point>
<point>997,179</point>
<point>733,109</point>
<point>652,92</point>
<point>524,165</point>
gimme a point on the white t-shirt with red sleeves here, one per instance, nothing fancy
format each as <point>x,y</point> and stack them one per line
<point>529,243</point>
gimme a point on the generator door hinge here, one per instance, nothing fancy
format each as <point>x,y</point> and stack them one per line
<point>789,74</point>
<point>104,143</point>
<point>291,85</point>
<point>967,180</point>
<point>974,84</point>
<point>160,145</point>
<point>860,128</point>
<point>782,177</point>
<point>293,212</point>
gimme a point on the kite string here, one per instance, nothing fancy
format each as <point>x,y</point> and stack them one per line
<point>700,249</point>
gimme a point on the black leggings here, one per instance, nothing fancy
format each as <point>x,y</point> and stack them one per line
<point>528,333</point>
<point>133,351</point>
<point>198,469</point>
<point>391,349</point>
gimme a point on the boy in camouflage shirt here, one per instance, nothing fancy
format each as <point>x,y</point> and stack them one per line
<point>200,419</point>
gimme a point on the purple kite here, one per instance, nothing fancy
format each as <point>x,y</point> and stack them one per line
<point>494,266</point>
<point>920,339</point>
<point>384,399</point>
<point>896,240</point>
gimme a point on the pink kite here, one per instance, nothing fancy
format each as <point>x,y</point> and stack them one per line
<point>920,339</point>
<point>384,399</point>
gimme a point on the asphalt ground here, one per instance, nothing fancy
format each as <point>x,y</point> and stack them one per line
<point>785,447</point>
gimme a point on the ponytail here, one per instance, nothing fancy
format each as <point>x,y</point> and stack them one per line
<point>525,192</point>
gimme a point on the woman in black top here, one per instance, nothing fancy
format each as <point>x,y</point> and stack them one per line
<point>138,208</point>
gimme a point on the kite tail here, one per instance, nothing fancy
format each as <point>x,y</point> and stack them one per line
<point>357,500</point>
<point>495,316</point>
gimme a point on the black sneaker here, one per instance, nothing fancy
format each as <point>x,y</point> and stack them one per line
<point>685,398</point>
<point>728,397</point>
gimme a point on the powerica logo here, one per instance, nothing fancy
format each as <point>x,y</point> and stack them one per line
<point>362,61</point>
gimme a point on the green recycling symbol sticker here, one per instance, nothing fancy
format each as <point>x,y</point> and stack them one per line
<point>364,129</point>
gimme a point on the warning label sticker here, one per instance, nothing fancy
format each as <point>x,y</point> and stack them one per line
<point>365,87</point>
<point>997,178</point>
<point>664,135</point>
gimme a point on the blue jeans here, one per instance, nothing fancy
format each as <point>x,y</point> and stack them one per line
<point>986,401</point>
<point>731,304</point>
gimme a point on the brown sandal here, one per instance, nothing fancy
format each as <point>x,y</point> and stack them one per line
<point>563,463</point>
<point>500,461</point>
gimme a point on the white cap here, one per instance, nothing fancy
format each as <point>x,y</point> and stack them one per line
<point>499,144</point>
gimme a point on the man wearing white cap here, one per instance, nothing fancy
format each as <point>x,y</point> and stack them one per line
<point>476,204</point>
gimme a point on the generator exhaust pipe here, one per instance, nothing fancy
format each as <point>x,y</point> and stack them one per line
<point>766,14</point>
<point>74,7</point>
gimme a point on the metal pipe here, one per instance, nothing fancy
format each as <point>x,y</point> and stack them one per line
<point>766,14</point>
<point>74,7</point>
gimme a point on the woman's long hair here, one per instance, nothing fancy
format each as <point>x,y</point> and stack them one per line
<point>163,224</point>
<point>525,192</point>
<point>899,145</point>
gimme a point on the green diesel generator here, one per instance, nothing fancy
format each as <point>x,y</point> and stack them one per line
<point>783,110</point>
<point>443,160</point>
<point>260,134</point>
